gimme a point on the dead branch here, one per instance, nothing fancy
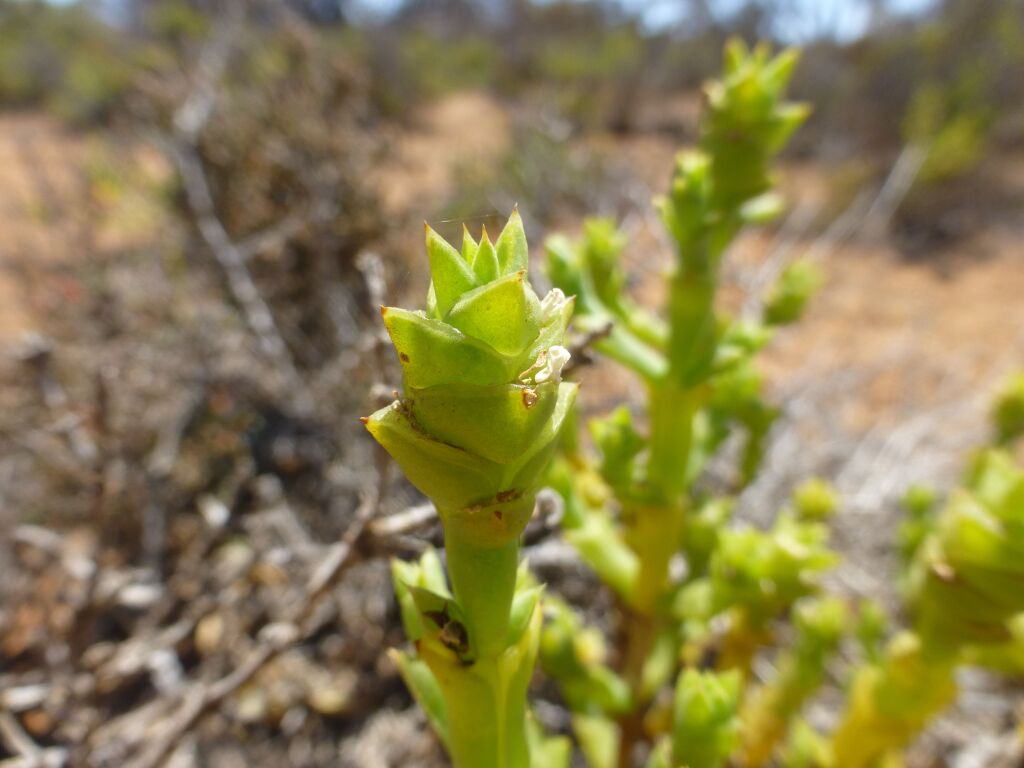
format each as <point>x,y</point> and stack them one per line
<point>29,754</point>
<point>273,639</point>
<point>182,147</point>
<point>410,519</point>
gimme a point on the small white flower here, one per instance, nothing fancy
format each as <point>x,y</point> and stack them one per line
<point>553,362</point>
<point>551,305</point>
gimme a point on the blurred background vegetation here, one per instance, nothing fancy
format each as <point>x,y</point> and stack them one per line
<point>203,202</point>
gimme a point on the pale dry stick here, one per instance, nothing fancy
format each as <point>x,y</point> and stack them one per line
<point>189,120</point>
<point>880,210</point>
<point>406,521</point>
<point>158,469</point>
<point>29,754</point>
<point>232,261</point>
<point>862,213</point>
<point>901,178</point>
<point>278,234</point>
<point>38,356</point>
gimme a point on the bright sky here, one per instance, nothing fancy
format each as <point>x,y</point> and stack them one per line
<point>846,19</point>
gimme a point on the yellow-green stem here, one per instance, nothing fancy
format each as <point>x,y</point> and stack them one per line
<point>486,698</point>
<point>483,582</point>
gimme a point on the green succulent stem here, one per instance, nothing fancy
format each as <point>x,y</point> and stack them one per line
<point>487,725</point>
<point>485,703</point>
<point>483,582</point>
<point>671,410</point>
<point>693,334</point>
<point>474,429</point>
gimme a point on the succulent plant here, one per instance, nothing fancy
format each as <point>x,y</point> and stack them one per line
<point>706,723</point>
<point>481,409</point>
<point>699,599</point>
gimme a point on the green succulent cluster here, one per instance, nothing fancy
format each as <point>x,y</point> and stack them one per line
<point>639,503</point>
<point>483,399</point>
<point>974,558</point>
<point>890,701</point>
<point>768,711</point>
<point>751,578</point>
<point>705,721</point>
<point>476,704</point>
<point>577,657</point>
<point>788,298</point>
<point>964,589</point>
<point>474,430</point>
<point>484,418</point>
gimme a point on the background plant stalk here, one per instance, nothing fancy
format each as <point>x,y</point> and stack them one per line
<point>654,535</point>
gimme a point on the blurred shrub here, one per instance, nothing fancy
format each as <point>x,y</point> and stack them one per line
<point>62,57</point>
<point>593,78</point>
<point>955,142</point>
<point>411,66</point>
<point>541,172</point>
<point>286,152</point>
<point>434,66</point>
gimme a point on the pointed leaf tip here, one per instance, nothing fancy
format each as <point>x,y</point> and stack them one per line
<point>485,260</point>
<point>511,245</point>
<point>451,275</point>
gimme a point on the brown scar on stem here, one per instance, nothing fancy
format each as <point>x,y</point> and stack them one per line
<point>403,357</point>
<point>507,495</point>
<point>529,398</point>
<point>498,514</point>
<point>455,638</point>
<point>438,617</point>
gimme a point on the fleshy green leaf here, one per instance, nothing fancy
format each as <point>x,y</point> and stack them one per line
<point>511,245</point>
<point>485,262</point>
<point>424,688</point>
<point>706,725</point>
<point>763,208</point>
<point>498,423</point>
<point>451,477</point>
<point>523,606</point>
<point>527,471</point>
<point>469,246</point>
<point>403,574</point>
<point>599,739</point>
<point>433,352</point>
<point>504,314</point>
<point>450,275</point>
<point>547,751</point>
